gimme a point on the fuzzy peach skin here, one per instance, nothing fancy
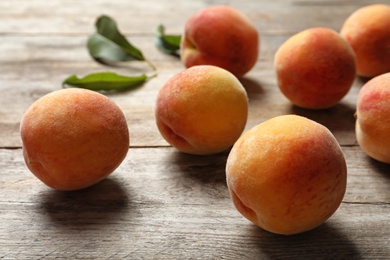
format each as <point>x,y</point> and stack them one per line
<point>373,118</point>
<point>315,68</point>
<point>73,138</point>
<point>368,32</point>
<point>202,110</point>
<point>287,175</point>
<point>220,36</point>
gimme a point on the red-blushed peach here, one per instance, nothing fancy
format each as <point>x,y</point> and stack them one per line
<point>202,110</point>
<point>315,68</point>
<point>73,138</point>
<point>221,36</point>
<point>373,118</point>
<point>368,32</point>
<point>287,175</point>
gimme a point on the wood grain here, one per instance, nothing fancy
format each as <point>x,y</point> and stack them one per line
<point>162,204</point>
<point>33,80</point>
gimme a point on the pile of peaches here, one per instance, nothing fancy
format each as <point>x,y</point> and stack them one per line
<point>288,174</point>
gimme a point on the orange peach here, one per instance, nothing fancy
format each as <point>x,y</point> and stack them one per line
<point>73,138</point>
<point>315,68</point>
<point>287,175</point>
<point>368,32</point>
<point>373,118</point>
<point>220,36</point>
<point>202,110</point>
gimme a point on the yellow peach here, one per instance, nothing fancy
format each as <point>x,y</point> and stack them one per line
<point>220,36</point>
<point>73,138</point>
<point>315,68</point>
<point>373,118</point>
<point>287,175</point>
<point>368,32</point>
<point>202,110</point>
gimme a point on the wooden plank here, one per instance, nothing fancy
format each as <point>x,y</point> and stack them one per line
<point>34,80</point>
<point>140,17</point>
<point>155,165</point>
<point>36,65</point>
<point>164,204</point>
<point>72,48</point>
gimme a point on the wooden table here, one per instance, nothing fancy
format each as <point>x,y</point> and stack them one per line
<point>160,203</point>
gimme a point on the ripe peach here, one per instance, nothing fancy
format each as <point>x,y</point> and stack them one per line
<point>368,32</point>
<point>287,175</point>
<point>220,36</point>
<point>73,138</point>
<point>202,110</point>
<point>315,68</point>
<point>373,118</point>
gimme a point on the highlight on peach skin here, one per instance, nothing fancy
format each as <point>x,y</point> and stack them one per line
<point>73,138</point>
<point>367,31</point>
<point>202,110</point>
<point>287,175</point>
<point>315,68</point>
<point>373,118</point>
<point>221,36</point>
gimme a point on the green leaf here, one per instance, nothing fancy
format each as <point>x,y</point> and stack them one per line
<point>169,44</point>
<point>105,81</point>
<point>109,45</point>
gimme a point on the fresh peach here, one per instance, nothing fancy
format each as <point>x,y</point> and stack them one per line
<point>368,32</point>
<point>315,68</point>
<point>287,175</point>
<point>373,118</point>
<point>221,36</point>
<point>73,138</point>
<point>202,110</point>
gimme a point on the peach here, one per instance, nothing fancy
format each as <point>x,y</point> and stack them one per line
<point>220,36</point>
<point>287,175</point>
<point>73,138</point>
<point>373,118</point>
<point>315,68</point>
<point>368,32</point>
<point>202,110</point>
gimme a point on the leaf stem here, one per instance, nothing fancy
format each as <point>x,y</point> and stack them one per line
<point>151,64</point>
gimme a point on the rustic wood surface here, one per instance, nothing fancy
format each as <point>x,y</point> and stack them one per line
<point>160,203</point>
